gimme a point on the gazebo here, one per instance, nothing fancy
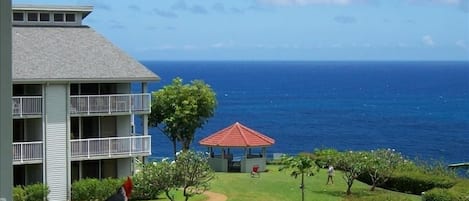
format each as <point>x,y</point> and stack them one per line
<point>240,137</point>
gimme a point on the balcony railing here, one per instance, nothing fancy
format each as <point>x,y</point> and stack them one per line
<point>27,152</point>
<point>26,106</point>
<point>110,104</point>
<point>92,148</point>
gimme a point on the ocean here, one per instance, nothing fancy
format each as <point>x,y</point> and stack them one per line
<point>421,109</point>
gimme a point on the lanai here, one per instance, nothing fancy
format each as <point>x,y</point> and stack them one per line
<point>237,136</point>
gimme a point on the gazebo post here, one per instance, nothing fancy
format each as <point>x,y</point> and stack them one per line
<point>223,153</point>
<point>264,152</point>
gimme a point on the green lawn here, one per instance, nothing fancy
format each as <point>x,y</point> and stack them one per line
<point>279,186</point>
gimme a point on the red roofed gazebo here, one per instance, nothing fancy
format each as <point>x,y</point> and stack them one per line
<point>237,136</point>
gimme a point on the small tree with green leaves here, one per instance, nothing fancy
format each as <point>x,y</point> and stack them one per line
<point>194,172</point>
<point>353,164</point>
<point>154,178</point>
<point>301,165</point>
<point>381,164</point>
<point>179,109</point>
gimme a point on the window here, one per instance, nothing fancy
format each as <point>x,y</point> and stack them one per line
<point>69,17</point>
<point>44,17</point>
<point>18,16</point>
<point>58,17</point>
<point>32,16</point>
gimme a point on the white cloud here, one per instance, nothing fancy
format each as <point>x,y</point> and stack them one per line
<point>463,44</point>
<point>309,2</point>
<point>428,41</point>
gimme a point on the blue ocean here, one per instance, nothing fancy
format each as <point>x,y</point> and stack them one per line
<point>421,109</point>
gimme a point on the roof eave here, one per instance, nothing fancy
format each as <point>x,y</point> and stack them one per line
<point>91,80</point>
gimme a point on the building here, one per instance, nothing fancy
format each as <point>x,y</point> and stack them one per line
<point>73,103</point>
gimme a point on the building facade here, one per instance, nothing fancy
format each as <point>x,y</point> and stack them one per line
<point>75,95</point>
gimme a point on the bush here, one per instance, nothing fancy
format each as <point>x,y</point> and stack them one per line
<point>19,194</point>
<point>439,194</point>
<point>380,197</point>
<point>94,189</point>
<point>415,179</point>
<point>417,182</point>
<point>36,192</point>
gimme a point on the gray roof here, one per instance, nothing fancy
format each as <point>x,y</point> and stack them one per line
<point>75,54</point>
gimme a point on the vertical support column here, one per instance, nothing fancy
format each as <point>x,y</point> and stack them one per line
<point>6,121</point>
<point>145,119</point>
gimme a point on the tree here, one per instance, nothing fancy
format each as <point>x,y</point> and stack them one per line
<point>194,172</point>
<point>154,178</point>
<point>381,164</point>
<point>300,165</point>
<point>179,109</point>
<point>353,164</point>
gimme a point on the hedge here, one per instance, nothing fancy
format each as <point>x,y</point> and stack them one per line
<point>34,192</point>
<point>94,189</point>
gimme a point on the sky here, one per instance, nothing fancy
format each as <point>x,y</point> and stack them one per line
<point>282,29</point>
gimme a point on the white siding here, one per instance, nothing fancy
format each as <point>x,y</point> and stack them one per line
<point>56,160</point>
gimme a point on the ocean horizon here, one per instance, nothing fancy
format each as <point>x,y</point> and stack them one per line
<point>419,108</point>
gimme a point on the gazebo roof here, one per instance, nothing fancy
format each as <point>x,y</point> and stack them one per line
<point>237,135</point>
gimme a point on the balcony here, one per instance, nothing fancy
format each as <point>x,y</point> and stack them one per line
<point>113,147</point>
<point>115,104</point>
<point>27,106</point>
<point>27,152</point>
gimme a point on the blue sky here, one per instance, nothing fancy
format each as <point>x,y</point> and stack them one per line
<point>282,29</point>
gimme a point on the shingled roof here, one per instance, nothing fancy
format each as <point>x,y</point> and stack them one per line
<point>75,54</point>
<point>237,135</point>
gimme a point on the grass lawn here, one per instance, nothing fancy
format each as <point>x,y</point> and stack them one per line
<point>280,186</point>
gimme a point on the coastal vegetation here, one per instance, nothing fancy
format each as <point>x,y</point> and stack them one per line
<point>190,173</point>
<point>179,109</point>
<point>301,165</point>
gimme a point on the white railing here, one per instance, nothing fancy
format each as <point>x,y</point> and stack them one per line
<point>26,105</point>
<point>27,152</point>
<point>113,146</point>
<point>115,103</point>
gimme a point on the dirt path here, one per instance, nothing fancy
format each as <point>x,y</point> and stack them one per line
<point>215,196</point>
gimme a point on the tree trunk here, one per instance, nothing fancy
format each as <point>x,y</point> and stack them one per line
<point>373,187</point>
<point>349,191</point>
<point>169,196</point>
<point>174,148</point>
<point>302,187</point>
<point>186,145</point>
<point>185,193</point>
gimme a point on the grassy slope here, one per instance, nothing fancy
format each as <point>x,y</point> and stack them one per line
<point>279,186</point>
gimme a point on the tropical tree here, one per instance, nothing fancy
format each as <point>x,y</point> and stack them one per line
<point>381,164</point>
<point>301,165</point>
<point>179,109</point>
<point>153,178</point>
<point>353,164</point>
<point>194,172</point>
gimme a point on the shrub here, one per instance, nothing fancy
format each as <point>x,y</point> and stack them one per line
<point>94,189</point>
<point>36,192</point>
<point>415,179</point>
<point>380,197</point>
<point>417,182</point>
<point>19,194</point>
<point>439,194</point>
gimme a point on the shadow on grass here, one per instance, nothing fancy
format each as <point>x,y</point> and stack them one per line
<point>341,193</point>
